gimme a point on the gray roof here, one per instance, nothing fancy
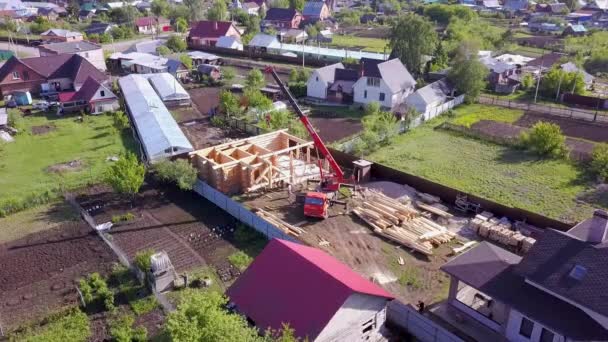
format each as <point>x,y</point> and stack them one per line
<point>313,8</point>
<point>148,46</point>
<point>154,123</point>
<point>571,67</point>
<point>495,65</point>
<point>436,91</point>
<point>327,73</point>
<point>71,47</point>
<point>395,75</point>
<point>228,42</point>
<point>264,40</point>
<point>61,33</point>
<point>167,87</point>
<point>203,55</point>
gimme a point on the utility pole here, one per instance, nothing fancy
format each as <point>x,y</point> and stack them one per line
<point>559,85</point>
<point>540,72</point>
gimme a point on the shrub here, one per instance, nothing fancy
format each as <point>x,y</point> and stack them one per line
<point>218,122</point>
<point>599,162</point>
<point>121,121</point>
<point>163,50</point>
<point>95,291</point>
<point>298,89</point>
<point>121,330</point>
<point>240,260</point>
<point>142,260</point>
<point>143,305</point>
<point>126,175</point>
<point>179,172</point>
<point>73,326</point>
<point>545,139</point>
<point>176,44</point>
<point>122,218</point>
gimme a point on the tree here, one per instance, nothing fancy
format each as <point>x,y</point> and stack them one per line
<point>178,172</point>
<point>349,17</point>
<point>163,50</point>
<point>255,79</point>
<point>186,60</point>
<point>200,316</point>
<point>126,175</point>
<point>468,74</point>
<point>297,4</point>
<point>279,4</point>
<point>40,25</point>
<point>176,44</point>
<point>411,37</point>
<point>599,161</point>
<point>120,119</point>
<point>73,9</point>
<point>218,11</point>
<point>229,103</point>
<point>252,25</point>
<point>160,8</point>
<point>181,25</point>
<point>391,6</point>
<point>179,11</point>
<point>558,80</point>
<point>527,81</point>
<point>545,139</point>
<point>196,8</point>
<point>379,127</point>
<point>441,60</point>
<point>142,260</point>
<point>312,31</point>
<point>255,99</point>
<point>228,74</point>
<point>293,76</point>
<point>121,330</point>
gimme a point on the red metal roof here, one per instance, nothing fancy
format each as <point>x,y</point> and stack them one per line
<point>299,285</point>
<point>150,21</point>
<point>66,96</point>
<point>210,29</point>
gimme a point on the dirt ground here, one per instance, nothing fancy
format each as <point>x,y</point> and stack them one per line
<point>335,129</point>
<point>193,231</point>
<point>44,129</point>
<point>38,272</point>
<point>352,242</point>
<point>572,128</point>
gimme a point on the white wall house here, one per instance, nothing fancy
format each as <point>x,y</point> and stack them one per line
<point>320,80</point>
<point>90,51</point>
<point>387,83</point>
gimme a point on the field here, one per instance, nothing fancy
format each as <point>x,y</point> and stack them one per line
<point>502,174</point>
<point>363,43</point>
<point>50,154</point>
<point>468,115</point>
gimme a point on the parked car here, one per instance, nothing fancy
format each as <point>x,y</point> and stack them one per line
<point>42,105</point>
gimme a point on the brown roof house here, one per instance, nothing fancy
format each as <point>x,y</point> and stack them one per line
<point>555,292</point>
<point>150,25</point>
<point>282,18</point>
<point>60,35</point>
<point>50,74</point>
<point>207,33</point>
<point>93,97</point>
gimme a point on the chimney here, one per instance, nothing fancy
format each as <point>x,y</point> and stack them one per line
<point>78,47</point>
<point>215,25</point>
<point>362,68</point>
<point>598,231</point>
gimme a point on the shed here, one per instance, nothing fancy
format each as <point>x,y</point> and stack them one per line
<point>169,89</point>
<point>227,42</point>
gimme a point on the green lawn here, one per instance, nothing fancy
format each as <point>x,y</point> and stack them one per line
<point>367,44</point>
<point>24,163</point>
<point>468,115</point>
<point>36,219</point>
<point>498,173</point>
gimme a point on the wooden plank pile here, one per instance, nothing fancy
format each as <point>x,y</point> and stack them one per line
<point>277,222</point>
<point>400,223</point>
<point>501,232</point>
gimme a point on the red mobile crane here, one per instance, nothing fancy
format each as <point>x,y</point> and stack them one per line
<point>315,203</point>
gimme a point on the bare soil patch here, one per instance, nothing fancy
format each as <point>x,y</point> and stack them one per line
<point>73,165</point>
<point>43,129</point>
<point>205,98</point>
<point>335,129</point>
<point>570,127</point>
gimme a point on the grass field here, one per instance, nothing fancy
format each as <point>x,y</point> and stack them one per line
<point>24,163</point>
<point>468,115</point>
<point>47,216</point>
<point>367,44</point>
<point>498,173</point>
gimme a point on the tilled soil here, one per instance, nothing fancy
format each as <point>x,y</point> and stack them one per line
<point>335,129</point>
<point>38,272</point>
<point>570,127</point>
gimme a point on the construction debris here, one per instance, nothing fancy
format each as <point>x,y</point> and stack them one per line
<point>434,210</point>
<point>282,225</point>
<point>428,198</point>
<point>464,247</point>
<point>400,222</point>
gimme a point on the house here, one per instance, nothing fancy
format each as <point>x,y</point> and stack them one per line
<point>145,63</point>
<point>251,8</point>
<point>601,5</point>
<point>320,80</point>
<point>146,46</point>
<point>429,97</point>
<point>293,36</point>
<point>385,82</point>
<point>229,42</point>
<point>91,51</point>
<point>99,28</point>
<point>209,70</point>
<point>571,67</point>
<point>49,74</point>
<point>546,61</point>
<point>144,6</point>
<point>516,5</point>
<point>152,25</point>
<point>491,5</point>
<point>199,57</point>
<point>93,97</point>
<point>574,30</point>
<point>316,10</point>
<point>551,8</point>
<point>555,292</point>
<point>513,59</point>
<point>156,129</point>
<point>264,42</point>
<point>333,83</point>
<point>282,18</point>
<point>60,35</point>
<point>207,33</point>
<point>52,13</point>
<point>318,296</point>
<point>503,77</point>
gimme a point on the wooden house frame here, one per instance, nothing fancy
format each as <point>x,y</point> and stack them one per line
<point>264,161</point>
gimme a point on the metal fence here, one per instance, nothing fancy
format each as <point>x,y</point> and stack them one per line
<point>438,110</point>
<point>243,126</point>
<point>421,327</point>
<point>578,114</point>
<point>241,213</point>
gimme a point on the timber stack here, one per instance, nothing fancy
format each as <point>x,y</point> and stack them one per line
<point>400,222</point>
<point>277,222</point>
<point>501,231</point>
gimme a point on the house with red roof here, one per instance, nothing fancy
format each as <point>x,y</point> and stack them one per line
<point>319,297</point>
<point>150,25</point>
<point>282,18</point>
<point>208,32</point>
<point>49,74</point>
<point>93,97</point>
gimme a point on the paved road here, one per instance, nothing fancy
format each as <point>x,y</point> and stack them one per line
<point>125,44</point>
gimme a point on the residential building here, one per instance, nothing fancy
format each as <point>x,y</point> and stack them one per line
<point>93,97</point>
<point>199,57</point>
<point>316,10</point>
<point>207,33</point>
<point>574,30</point>
<point>91,51</point>
<point>282,18</point>
<point>146,46</point>
<point>47,74</point>
<point>556,8</point>
<point>318,296</point>
<point>503,77</point>
<point>491,5</point>
<point>251,8</point>
<point>601,5</point>
<point>512,59</point>
<point>320,80</point>
<point>293,36</point>
<point>516,5</point>
<point>385,82</point>
<point>99,28</point>
<point>152,25</point>
<point>156,129</point>
<point>555,292</point>
<point>209,70</point>
<point>60,35</point>
<point>145,63</point>
<point>571,67</point>
<point>546,61</point>
<point>429,97</point>
<point>229,42</point>
<point>52,13</point>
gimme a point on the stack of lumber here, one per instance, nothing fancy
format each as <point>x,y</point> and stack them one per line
<point>282,225</point>
<point>400,223</point>
<point>434,210</point>
<point>500,231</point>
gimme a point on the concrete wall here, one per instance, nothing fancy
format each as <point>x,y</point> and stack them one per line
<point>514,323</point>
<point>422,328</point>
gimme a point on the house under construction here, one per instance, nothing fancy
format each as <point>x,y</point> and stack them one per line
<point>263,161</point>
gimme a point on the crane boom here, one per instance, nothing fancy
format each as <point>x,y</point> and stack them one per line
<point>311,130</point>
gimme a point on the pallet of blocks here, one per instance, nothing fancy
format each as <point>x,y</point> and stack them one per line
<point>400,223</point>
<point>277,222</point>
<point>501,232</point>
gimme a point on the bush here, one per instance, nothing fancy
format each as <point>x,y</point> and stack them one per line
<point>163,50</point>
<point>121,121</point>
<point>298,89</point>
<point>142,260</point>
<point>143,305</point>
<point>229,103</point>
<point>599,162</point>
<point>73,326</point>
<point>176,44</point>
<point>95,291</point>
<point>121,330</point>
<point>240,260</point>
<point>545,139</point>
<point>218,122</point>
<point>122,218</point>
<point>178,172</point>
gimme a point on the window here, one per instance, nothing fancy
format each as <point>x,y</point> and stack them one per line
<point>26,75</point>
<point>102,93</point>
<point>365,94</point>
<point>526,327</point>
<point>86,55</point>
<point>382,97</point>
<point>15,75</point>
<point>546,335</point>
<point>373,81</point>
<point>317,78</point>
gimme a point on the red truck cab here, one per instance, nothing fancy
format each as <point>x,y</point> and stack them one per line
<point>316,204</point>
